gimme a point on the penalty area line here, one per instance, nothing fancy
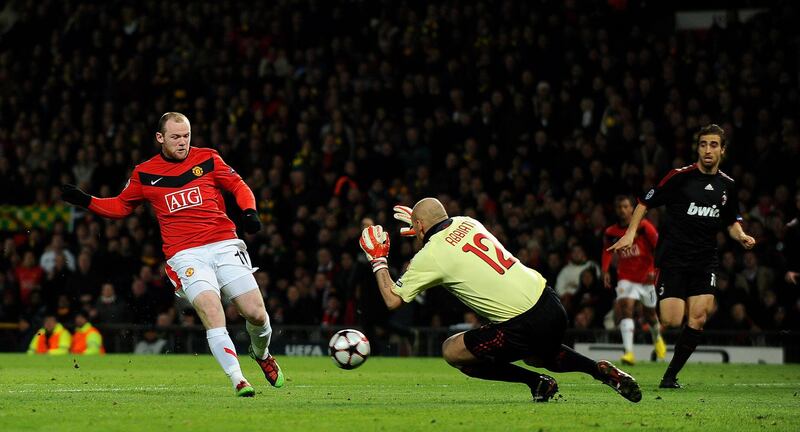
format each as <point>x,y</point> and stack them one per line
<point>89,390</point>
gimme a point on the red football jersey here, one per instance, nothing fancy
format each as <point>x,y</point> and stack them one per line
<point>636,263</point>
<point>186,196</point>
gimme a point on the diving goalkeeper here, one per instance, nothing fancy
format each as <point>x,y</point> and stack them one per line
<point>527,320</point>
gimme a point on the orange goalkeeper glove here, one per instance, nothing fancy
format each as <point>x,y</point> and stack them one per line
<point>403,214</point>
<point>374,242</point>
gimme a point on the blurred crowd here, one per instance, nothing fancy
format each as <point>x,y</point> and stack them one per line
<point>529,116</point>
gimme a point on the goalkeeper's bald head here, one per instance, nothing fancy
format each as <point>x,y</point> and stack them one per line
<point>427,212</point>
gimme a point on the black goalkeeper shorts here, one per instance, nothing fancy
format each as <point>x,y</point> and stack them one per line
<point>537,332</point>
<point>685,283</point>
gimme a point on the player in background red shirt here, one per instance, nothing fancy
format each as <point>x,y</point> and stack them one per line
<point>635,278</point>
<point>205,259</point>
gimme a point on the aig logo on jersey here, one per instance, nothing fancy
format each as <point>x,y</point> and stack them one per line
<point>183,199</point>
<point>632,251</point>
<point>695,210</point>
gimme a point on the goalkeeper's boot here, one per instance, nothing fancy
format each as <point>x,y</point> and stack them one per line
<point>545,389</point>
<point>272,372</point>
<point>618,380</point>
<point>628,359</point>
<point>244,389</point>
<point>669,383</point>
<point>660,348</point>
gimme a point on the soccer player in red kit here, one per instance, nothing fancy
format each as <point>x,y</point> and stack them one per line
<point>635,278</point>
<point>205,259</point>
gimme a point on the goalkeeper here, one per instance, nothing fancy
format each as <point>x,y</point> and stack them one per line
<point>527,318</point>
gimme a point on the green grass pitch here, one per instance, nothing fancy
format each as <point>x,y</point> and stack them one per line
<point>174,392</point>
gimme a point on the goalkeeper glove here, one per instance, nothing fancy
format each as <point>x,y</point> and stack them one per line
<point>250,221</point>
<point>374,242</point>
<point>403,214</point>
<point>73,195</point>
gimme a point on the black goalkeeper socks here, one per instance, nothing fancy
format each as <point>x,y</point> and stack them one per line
<point>568,360</point>
<point>684,347</point>
<point>501,372</point>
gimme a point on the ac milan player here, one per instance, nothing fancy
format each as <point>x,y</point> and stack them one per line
<point>635,278</point>
<point>204,257</point>
<point>527,320</point>
<point>700,200</point>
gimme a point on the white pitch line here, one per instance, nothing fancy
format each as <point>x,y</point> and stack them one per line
<point>90,390</point>
<point>365,385</point>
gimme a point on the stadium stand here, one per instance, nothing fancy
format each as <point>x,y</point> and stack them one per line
<point>530,116</point>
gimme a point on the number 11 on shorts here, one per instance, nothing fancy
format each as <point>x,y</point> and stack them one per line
<point>242,257</point>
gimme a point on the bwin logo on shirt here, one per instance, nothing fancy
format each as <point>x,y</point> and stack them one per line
<point>695,210</point>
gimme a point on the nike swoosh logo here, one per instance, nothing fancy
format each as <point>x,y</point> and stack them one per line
<point>152,182</point>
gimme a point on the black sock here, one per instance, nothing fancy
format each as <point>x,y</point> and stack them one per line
<point>501,372</point>
<point>684,347</point>
<point>568,360</point>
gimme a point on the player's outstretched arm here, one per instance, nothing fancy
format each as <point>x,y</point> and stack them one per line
<point>630,234</point>
<point>116,208</point>
<point>121,205</point>
<point>737,233</point>
<point>374,242</point>
<point>385,283</point>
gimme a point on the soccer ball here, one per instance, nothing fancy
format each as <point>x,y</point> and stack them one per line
<point>349,348</point>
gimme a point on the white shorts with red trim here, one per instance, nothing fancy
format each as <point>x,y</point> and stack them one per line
<point>223,267</point>
<point>645,293</point>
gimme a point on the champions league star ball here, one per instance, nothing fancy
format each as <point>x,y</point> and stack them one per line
<point>349,348</point>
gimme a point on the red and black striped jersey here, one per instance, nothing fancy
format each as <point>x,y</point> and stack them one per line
<point>698,206</point>
<point>186,196</point>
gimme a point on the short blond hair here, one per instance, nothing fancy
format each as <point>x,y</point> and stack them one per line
<point>171,115</point>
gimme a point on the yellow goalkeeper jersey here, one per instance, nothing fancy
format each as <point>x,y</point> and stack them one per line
<point>468,261</point>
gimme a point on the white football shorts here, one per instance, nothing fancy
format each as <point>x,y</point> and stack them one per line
<point>641,292</point>
<point>223,267</point>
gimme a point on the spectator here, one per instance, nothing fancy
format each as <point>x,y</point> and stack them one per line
<point>55,249</point>
<point>29,277</point>
<point>64,310</point>
<point>552,266</point>
<point>56,279</point>
<point>110,309</point>
<point>142,309</point>
<point>52,338</point>
<point>592,294</point>
<point>152,343</point>
<point>25,332</point>
<point>332,315</point>
<point>569,277</point>
<point>759,279</point>
<point>85,281</point>
<point>742,324</point>
<point>86,340</point>
<point>298,309</point>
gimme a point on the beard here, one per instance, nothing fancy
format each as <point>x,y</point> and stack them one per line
<point>709,164</point>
